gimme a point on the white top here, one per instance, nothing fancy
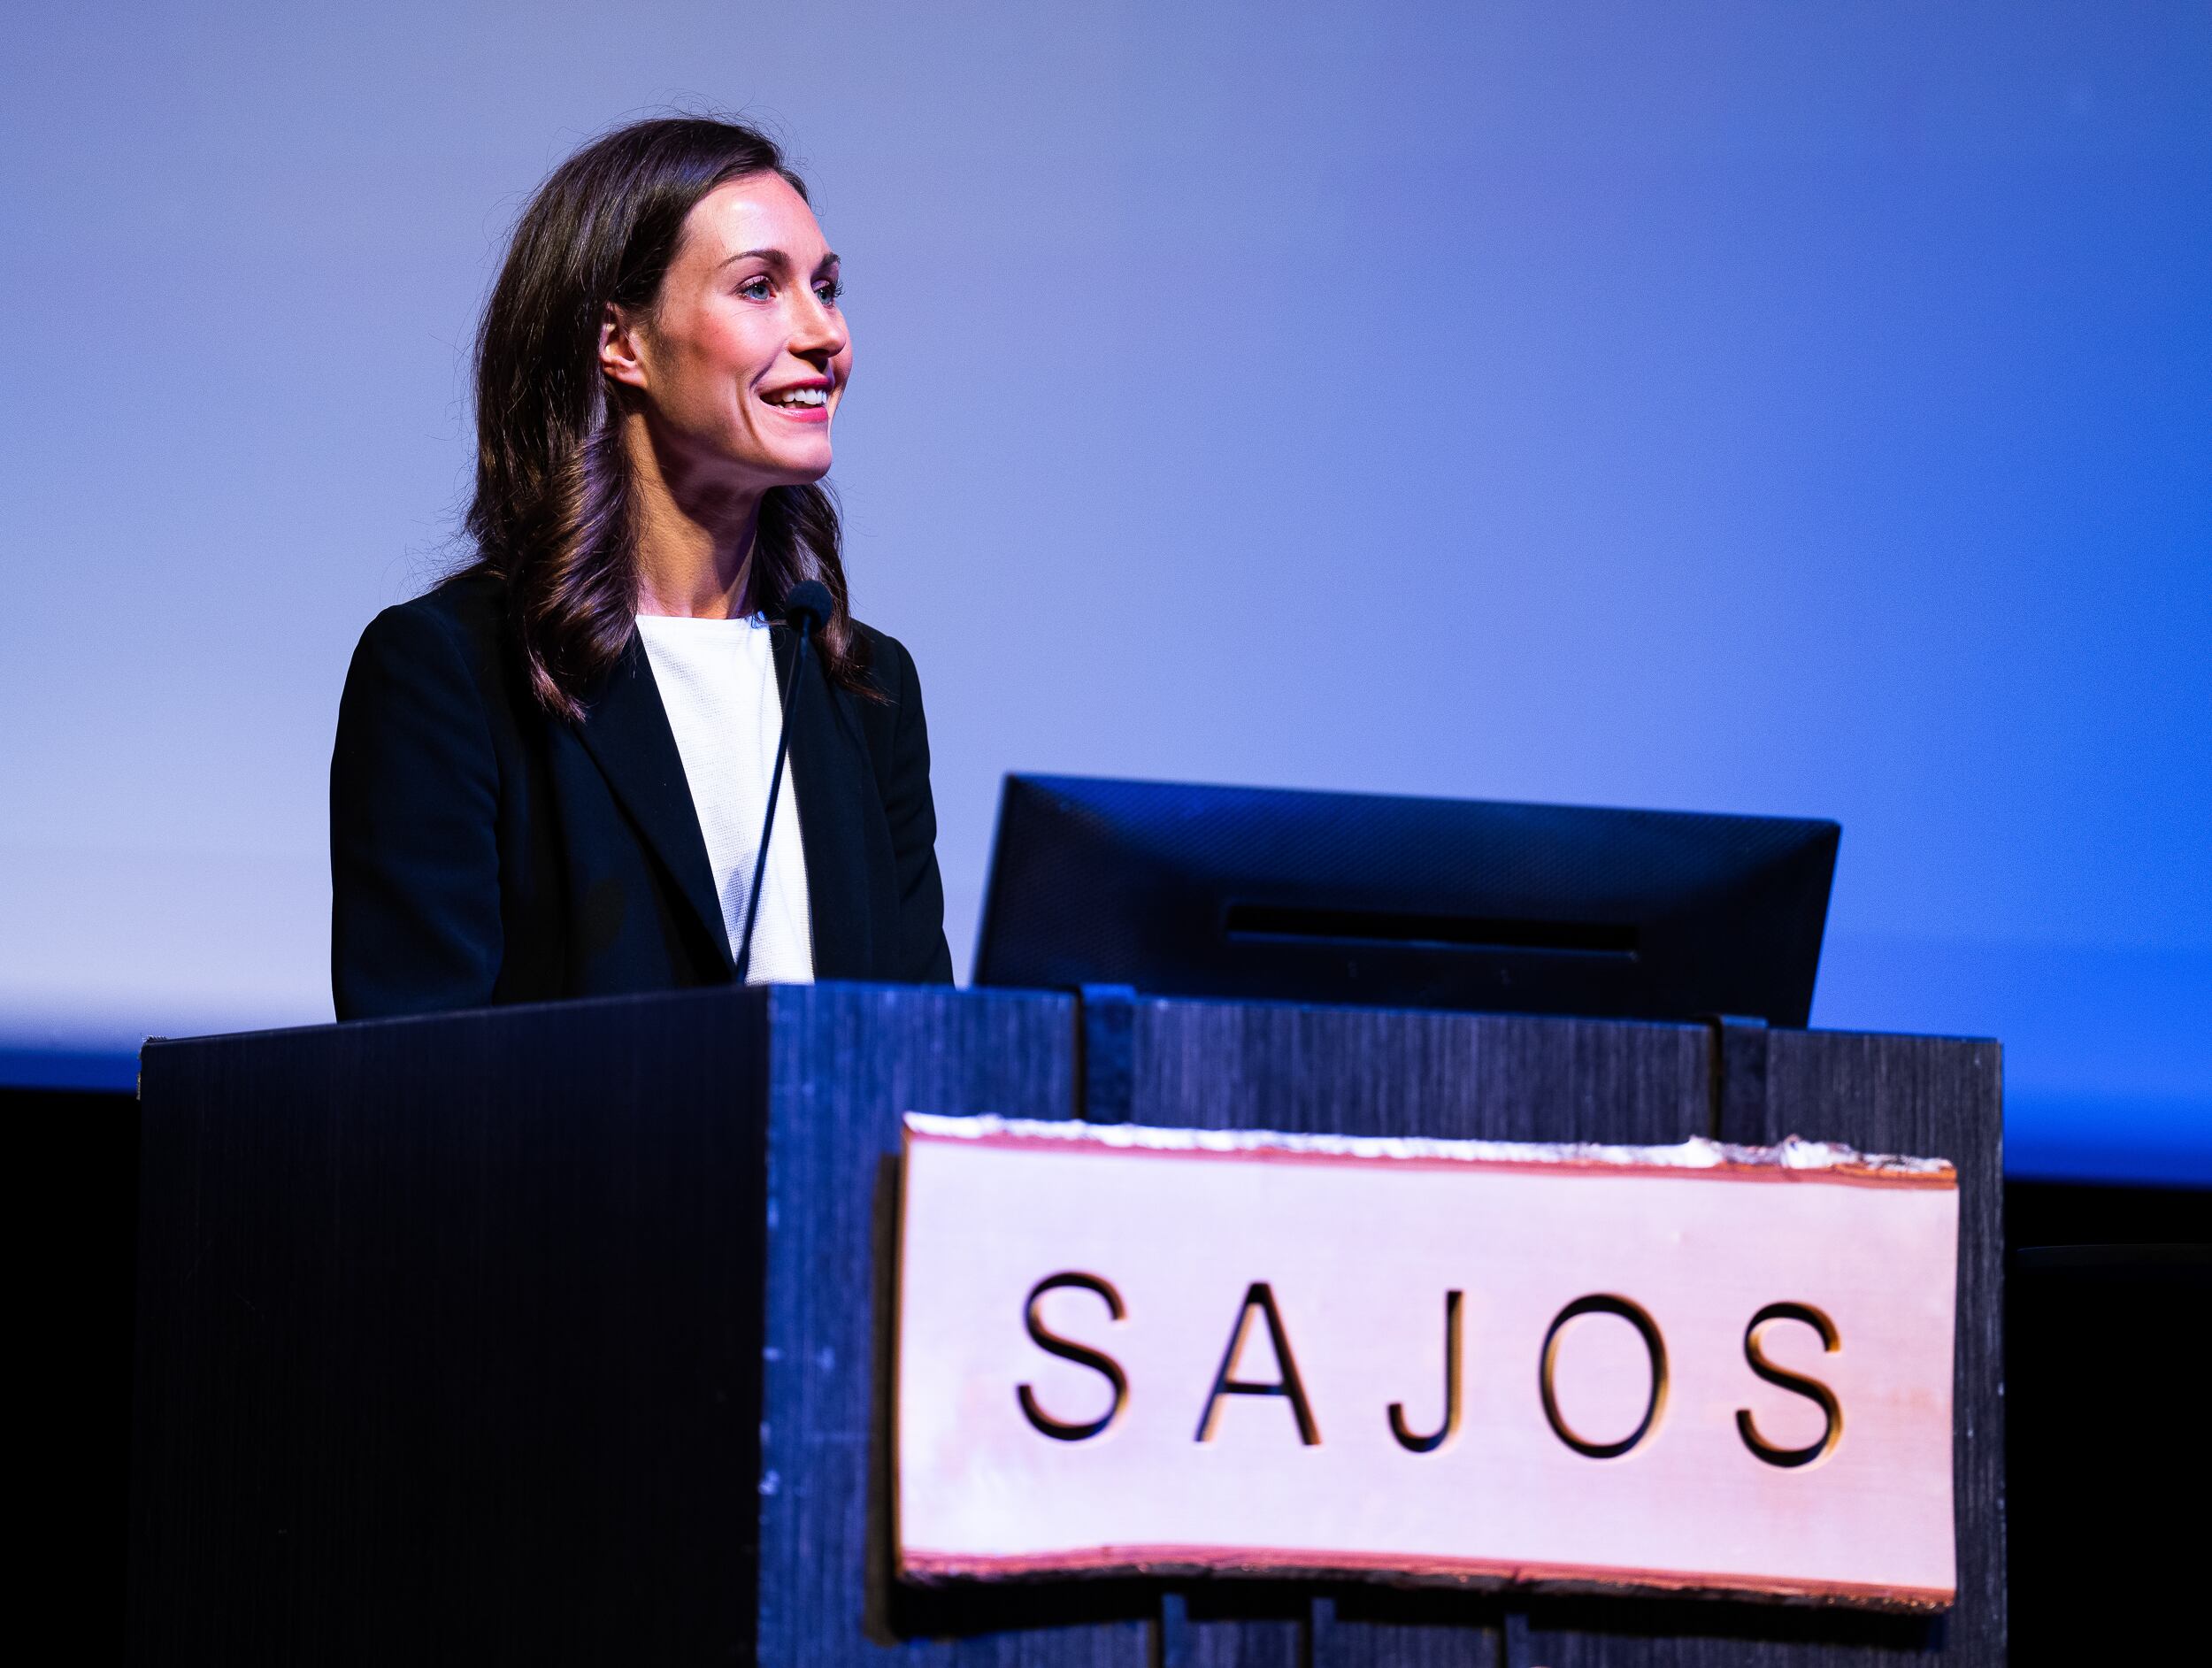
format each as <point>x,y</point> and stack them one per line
<point>718,681</point>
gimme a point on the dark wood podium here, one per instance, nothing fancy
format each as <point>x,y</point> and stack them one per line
<point>560,1335</point>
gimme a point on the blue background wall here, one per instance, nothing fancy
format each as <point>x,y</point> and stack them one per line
<point>1772,407</point>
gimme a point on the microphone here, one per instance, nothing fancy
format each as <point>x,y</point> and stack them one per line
<point>806,608</point>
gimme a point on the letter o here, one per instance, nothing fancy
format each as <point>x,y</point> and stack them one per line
<point>1655,1345</point>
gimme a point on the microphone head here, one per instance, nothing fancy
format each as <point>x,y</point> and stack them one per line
<point>807,606</point>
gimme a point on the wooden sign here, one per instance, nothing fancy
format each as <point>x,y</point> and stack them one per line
<point>1663,1369</point>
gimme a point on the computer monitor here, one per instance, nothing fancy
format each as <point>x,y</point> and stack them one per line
<point>1263,894</point>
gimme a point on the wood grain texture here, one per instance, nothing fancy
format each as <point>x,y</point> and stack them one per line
<point>847,1061</point>
<point>528,1336</point>
<point>1368,1626</point>
<point>1942,1098</point>
<point>445,1341</point>
<point>1220,1065</point>
<point>1232,1624</point>
<point>1929,1097</point>
<point>1375,1072</point>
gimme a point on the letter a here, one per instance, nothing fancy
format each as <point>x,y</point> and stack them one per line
<point>1258,1297</point>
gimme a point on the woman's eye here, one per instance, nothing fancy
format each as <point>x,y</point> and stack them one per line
<point>830,289</point>
<point>755,290</point>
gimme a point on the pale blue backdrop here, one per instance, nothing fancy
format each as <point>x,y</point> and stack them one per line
<point>1775,407</point>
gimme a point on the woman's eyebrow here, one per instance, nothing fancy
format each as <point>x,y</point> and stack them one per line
<point>774,258</point>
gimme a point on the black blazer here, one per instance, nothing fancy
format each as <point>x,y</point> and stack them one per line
<point>483,852</point>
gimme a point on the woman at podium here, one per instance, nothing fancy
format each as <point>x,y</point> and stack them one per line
<point>554,773</point>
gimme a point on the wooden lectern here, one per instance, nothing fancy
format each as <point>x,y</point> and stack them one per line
<point>561,1334</point>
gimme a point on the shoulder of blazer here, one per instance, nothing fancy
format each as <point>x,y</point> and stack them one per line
<point>891,671</point>
<point>469,614</point>
<point>470,608</point>
<point>890,668</point>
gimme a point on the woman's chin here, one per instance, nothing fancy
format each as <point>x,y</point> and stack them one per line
<point>804,468</point>
<point>758,466</point>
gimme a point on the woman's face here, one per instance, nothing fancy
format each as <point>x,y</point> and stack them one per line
<point>744,355</point>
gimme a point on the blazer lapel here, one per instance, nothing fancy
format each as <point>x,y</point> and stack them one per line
<point>625,730</point>
<point>829,772</point>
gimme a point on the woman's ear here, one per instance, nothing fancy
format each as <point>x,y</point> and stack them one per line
<point>621,354</point>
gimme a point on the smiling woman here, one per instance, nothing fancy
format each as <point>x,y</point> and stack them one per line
<point>552,772</point>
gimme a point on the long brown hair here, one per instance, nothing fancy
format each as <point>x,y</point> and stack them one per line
<point>552,515</point>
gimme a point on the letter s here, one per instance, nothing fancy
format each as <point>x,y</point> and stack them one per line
<point>1811,1389</point>
<point>1082,1355</point>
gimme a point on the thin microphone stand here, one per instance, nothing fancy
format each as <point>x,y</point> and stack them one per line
<point>799,609</point>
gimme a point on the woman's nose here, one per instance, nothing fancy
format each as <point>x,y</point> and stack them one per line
<point>818,332</point>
